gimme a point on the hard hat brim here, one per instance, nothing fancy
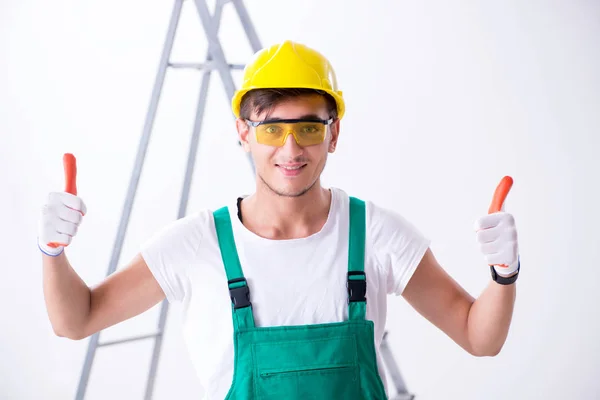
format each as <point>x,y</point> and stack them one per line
<point>236,101</point>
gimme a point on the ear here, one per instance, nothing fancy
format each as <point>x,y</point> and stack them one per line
<point>334,128</point>
<point>243,132</point>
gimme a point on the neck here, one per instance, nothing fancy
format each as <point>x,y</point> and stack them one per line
<point>272,216</point>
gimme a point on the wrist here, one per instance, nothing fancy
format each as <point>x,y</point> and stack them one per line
<point>503,272</point>
<point>506,279</point>
<point>507,272</point>
<point>50,251</point>
<point>507,275</point>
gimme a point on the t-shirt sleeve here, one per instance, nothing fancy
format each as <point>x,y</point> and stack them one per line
<point>170,252</point>
<point>398,246</point>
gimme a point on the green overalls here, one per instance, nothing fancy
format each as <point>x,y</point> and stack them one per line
<point>310,362</point>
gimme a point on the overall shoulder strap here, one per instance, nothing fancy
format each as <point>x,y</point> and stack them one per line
<point>239,292</point>
<point>357,282</point>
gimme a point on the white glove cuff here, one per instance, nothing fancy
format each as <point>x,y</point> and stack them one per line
<point>506,271</point>
<point>50,251</point>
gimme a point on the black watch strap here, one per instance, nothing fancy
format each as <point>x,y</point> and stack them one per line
<point>503,280</point>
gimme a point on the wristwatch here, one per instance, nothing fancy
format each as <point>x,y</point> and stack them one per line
<point>505,280</point>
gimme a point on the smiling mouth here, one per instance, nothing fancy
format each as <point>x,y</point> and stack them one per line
<point>291,167</point>
<point>291,170</point>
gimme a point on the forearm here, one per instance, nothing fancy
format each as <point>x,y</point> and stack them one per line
<point>67,296</point>
<point>490,317</point>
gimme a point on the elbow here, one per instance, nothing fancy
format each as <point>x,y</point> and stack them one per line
<point>492,353</point>
<point>489,351</point>
<point>72,334</point>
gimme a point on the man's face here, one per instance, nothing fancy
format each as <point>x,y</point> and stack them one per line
<point>290,170</point>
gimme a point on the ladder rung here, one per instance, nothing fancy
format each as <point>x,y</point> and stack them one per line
<point>202,66</point>
<point>131,339</point>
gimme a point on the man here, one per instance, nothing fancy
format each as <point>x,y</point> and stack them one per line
<point>284,291</point>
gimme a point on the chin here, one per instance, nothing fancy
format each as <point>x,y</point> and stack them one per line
<point>289,189</point>
<point>292,193</point>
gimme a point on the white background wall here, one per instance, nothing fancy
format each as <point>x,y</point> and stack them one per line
<point>444,98</point>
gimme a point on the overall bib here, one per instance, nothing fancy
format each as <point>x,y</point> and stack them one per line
<point>310,362</point>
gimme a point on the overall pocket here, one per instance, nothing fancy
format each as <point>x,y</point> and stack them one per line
<point>317,369</point>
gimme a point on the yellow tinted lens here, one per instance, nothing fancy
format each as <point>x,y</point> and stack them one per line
<point>309,133</point>
<point>305,133</point>
<point>270,134</point>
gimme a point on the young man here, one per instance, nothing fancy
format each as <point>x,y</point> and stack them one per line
<point>284,291</point>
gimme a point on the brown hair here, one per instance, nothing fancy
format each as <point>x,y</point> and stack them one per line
<point>260,100</point>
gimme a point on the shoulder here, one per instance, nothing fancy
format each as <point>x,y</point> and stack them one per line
<point>186,232</point>
<point>385,220</point>
<point>388,230</point>
<point>392,231</point>
<point>397,243</point>
<point>379,219</point>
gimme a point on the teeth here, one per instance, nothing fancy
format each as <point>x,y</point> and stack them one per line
<point>291,168</point>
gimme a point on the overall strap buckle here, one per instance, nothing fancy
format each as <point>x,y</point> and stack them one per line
<point>357,287</point>
<point>240,295</point>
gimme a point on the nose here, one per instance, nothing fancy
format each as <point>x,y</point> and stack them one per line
<point>291,146</point>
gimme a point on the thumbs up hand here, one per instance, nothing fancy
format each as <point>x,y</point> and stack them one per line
<point>496,233</point>
<point>62,214</point>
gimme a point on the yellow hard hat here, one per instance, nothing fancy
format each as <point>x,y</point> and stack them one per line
<point>289,65</point>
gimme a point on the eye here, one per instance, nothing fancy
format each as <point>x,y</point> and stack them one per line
<point>272,129</point>
<point>310,129</point>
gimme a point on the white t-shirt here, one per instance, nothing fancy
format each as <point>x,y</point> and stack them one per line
<point>292,282</point>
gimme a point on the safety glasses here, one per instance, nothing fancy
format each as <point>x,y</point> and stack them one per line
<point>307,132</point>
